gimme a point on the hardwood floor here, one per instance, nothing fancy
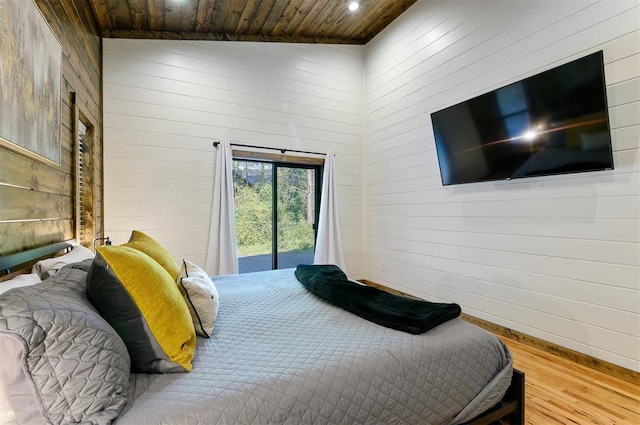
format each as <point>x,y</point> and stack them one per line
<point>559,391</point>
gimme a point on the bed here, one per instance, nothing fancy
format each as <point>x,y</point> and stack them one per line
<point>280,355</point>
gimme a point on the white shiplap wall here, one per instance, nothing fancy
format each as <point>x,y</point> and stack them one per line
<point>553,257</point>
<point>165,102</point>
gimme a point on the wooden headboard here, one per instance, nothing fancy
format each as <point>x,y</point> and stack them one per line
<point>21,262</point>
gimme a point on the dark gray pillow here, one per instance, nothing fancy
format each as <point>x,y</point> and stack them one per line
<point>61,361</point>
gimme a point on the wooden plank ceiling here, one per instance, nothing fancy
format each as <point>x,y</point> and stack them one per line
<point>295,21</point>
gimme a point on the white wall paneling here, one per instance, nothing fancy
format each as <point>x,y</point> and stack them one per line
<point>165,102</point>
<point>555,257</point>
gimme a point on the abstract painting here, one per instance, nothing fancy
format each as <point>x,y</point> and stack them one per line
<point>30,61</point>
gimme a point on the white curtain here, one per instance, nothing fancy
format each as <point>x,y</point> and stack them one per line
<point>222,252</point>
<point>329,242</point>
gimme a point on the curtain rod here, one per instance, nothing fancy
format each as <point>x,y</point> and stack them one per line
<point>282,150</point>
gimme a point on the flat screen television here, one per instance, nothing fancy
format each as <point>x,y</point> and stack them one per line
<point>554,122</point>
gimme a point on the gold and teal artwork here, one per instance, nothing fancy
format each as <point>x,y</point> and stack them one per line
<point>30,61</point>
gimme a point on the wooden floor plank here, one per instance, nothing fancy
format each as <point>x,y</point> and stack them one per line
<point>561,392</point>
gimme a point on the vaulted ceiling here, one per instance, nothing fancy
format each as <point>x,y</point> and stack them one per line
<point>296,21</point>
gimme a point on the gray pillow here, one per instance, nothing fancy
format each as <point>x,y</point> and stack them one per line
<point>61,361</point>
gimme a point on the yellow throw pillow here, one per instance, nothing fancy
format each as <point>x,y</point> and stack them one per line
<point>148,245</point>
<point>143,304</point>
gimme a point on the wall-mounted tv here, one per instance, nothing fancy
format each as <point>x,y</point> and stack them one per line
<point>554,122</point>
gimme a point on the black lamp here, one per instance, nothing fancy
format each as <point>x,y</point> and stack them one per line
<point>106,240</point>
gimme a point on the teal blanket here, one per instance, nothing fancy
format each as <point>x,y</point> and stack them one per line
<point>393,311</point>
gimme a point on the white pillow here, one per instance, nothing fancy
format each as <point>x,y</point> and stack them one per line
<point>7,415</point>
<point>18,281</point>
<point>49,267</point>
<point>201,296</point>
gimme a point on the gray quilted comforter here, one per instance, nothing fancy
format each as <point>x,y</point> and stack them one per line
<point>63,363</point>
<point>279,355</point>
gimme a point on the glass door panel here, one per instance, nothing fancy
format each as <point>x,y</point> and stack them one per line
<point>276,212</point>
<point>253,197</point>
<point>295,216</point>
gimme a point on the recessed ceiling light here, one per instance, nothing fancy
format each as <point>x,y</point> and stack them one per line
<point>354,5</point>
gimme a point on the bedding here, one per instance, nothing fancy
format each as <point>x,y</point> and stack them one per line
<point>49,267</point>
<point>145,243</point>
<point>279,355</point>
<point>393,311</point>
<point>142,302</point>
<point>7,415</point>
<point>61,361</point>
<point>20,281</point>
<point>201,296</point>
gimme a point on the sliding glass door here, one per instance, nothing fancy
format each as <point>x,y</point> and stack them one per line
<point>276,213</point>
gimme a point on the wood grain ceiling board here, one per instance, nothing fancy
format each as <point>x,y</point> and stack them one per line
<point>301,21</point>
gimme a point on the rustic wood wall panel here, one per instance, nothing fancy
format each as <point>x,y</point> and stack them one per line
<point>37,200</point>
<point>296,21</point>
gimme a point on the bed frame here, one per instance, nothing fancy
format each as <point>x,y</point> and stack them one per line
<point>11,264</point>
<point>509,411</point>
